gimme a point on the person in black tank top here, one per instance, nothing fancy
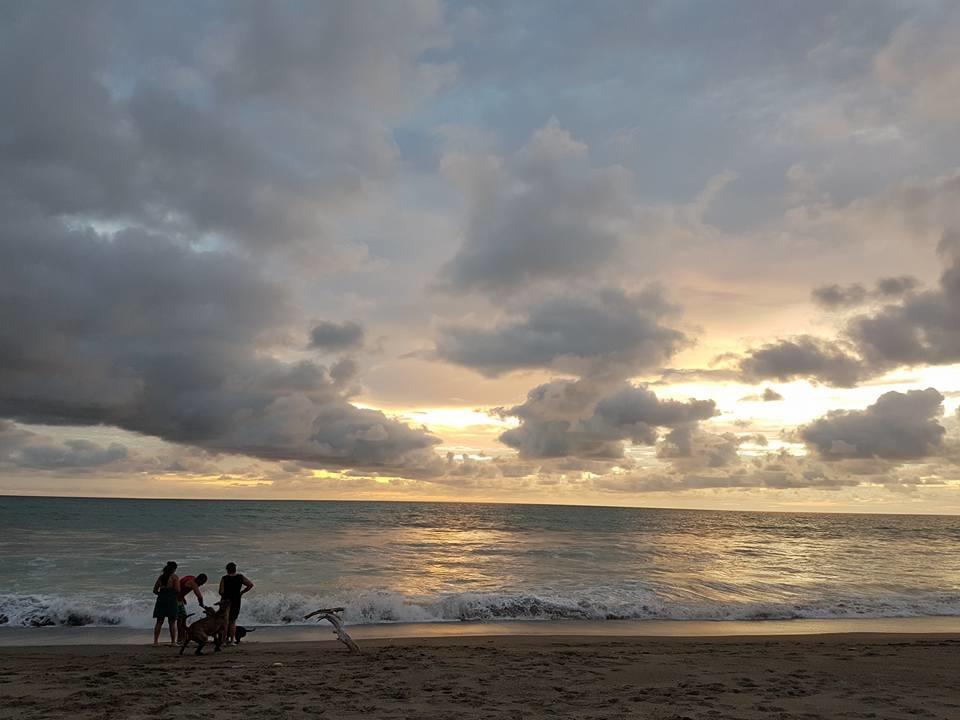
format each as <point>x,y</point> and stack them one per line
<point>233,585</point>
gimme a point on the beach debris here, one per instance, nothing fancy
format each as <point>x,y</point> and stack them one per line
<point>331,616</point>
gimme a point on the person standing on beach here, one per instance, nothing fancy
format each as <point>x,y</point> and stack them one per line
<point>188,584</point>
<point>233,585</point>
<point>166,588</point>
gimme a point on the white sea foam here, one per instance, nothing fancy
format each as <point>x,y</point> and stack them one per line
<point>390,607</point>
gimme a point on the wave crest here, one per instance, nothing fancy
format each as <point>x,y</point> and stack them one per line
<point>41,610</point>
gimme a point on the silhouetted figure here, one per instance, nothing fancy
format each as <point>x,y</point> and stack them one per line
<point>188,584</point>
<point>166,588</point>
<point>233,585</point>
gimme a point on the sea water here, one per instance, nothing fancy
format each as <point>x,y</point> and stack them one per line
<point>92,562</point>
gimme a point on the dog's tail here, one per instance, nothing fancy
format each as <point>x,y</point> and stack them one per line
<point>250,630</point>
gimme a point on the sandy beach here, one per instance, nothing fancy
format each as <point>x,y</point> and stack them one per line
<point>813,676</point>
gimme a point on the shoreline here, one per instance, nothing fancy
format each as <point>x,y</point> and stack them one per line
<point>798,677</point>
<point>11,637</point>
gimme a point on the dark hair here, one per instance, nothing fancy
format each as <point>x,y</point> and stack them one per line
<point>231,568</point>
<point>168,570</point>
<point>201,578</point>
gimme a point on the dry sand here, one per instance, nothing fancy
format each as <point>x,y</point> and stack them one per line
<point>836,676</point>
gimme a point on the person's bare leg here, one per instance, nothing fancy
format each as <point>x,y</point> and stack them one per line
<point>231,632</point>
<point>156,631</point>
<point>181,630</point>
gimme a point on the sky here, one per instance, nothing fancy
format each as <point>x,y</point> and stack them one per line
<point>669,254</point>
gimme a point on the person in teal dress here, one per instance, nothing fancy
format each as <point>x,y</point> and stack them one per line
<point>166,588</point>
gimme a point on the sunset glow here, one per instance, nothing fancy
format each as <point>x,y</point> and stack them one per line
<point>461,252</point>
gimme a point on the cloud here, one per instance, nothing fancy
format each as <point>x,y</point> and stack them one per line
<point>172,181</point>
<point>769,395</point>
<point>803,356</point>
<point>580,418</point>
<point>147,334</point>
<point>582,332</point>
<point>774,471</point>
<point>919,64</point>
<point>689,447</point>
<point>922,329</point>
<point>891,287</point>
<point>147,167</point>
<point>544,213</point>
<point>838,297</point>
<point>835,296</point>
<point>336,337</point>
<point>898,426</point>
<point>243,120</point>
<point>23,449</point>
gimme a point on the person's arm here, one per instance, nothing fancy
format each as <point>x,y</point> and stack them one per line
<point>156,586</point>
<point>196,591</point>
<point>220,589</point>
<point>247,584</point>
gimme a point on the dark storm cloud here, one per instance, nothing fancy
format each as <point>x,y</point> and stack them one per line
<point>149,335</point>
<point>579,418</point>
<point>689,447</point>
<point>544,213</point>
<point>335,336</point>
<point>168,125</point>
<point>637,408</point>
<point>836,296</point>
<point>344,370</point>
<point>921,328</point>
<point>892,287</point>
<point>170,119</point>
<point>899,426</point>
<point>70,454</point>
<point>839,297</point>
<point>586,333</point>
<point>804,356</point>
<point>22,448</point>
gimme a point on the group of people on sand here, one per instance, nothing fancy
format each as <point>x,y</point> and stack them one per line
<point>172,592</point>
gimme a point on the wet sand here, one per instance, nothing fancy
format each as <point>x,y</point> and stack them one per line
<point>783,677</point>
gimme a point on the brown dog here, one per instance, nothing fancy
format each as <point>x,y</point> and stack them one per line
<point>214,624</point>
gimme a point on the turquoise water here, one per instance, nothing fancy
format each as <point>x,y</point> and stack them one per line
<point>69,562</point>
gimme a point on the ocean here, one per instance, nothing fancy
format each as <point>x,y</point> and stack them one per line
<point>73,562</point>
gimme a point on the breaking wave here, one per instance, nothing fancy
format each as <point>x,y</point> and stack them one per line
<point>42,610</point>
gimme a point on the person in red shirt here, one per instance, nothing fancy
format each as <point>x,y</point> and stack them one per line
<point>188,584</point>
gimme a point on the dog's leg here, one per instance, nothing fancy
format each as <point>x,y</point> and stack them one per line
<point>184,646</point>
<point>200,644</point>
<point>217,641</point>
